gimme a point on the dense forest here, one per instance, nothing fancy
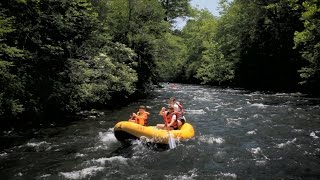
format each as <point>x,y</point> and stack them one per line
<point>60,56</point>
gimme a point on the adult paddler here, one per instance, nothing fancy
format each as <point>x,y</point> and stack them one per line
<point>178,108</point>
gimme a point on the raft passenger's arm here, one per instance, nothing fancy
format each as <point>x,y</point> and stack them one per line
<point>163,109</point>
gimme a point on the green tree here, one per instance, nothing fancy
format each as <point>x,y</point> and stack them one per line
<point>170,55</point>
<point>257,38</point>
<point>11,85</point>
<point>194,41</point>
<point>214,68</point>
<point>35,53</point>
<point>205,62</point>
<point>308,42</point>
<point>139,24</point>
<point>175,8</point>
<point>102,78</point>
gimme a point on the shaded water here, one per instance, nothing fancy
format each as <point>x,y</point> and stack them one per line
<point>239,135</point>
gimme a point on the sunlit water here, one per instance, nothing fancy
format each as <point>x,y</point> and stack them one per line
<point>239,135</point>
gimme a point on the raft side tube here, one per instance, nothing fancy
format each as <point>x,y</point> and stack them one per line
<point>129,130</point>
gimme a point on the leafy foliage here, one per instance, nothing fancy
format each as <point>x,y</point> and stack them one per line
<point>308,42</point>
<point>63,56</point>
<point>170,53</point>
<point>96,80</point>
<point>175,8</point>
<point>139,24</point>
<point>205,62</point>
<point>258,38</point>
<point>11,85</point>
<point>214,68</point>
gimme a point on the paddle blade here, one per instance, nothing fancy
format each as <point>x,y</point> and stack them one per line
<point>172,142</point>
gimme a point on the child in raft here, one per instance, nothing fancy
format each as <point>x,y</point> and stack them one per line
<point>170,118</point>
<point>141,117</point>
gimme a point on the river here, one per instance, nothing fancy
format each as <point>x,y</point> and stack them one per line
<point>239,135</point>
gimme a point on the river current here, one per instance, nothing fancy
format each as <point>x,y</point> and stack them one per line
<point>239,135</point>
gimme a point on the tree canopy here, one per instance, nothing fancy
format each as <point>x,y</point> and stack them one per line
<point>59,57</point>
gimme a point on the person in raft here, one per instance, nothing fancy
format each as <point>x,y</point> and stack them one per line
<point>178,108</point>
<point>141,117</point>
<point>170,118</point>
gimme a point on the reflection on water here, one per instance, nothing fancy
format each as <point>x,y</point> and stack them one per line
<point>239,135</point>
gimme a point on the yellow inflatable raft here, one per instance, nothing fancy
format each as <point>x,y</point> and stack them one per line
<point>124,130</point>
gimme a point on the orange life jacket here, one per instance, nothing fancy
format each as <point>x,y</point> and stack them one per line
<point>142,118</point>
<point>168,116</point>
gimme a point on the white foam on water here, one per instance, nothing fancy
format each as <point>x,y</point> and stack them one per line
<point>211,140</point>
<point>229,175</point>
<point>281,145</point>
<point>313,134</point>
<point>190,111</point>
<point>198,91</point>
<point>297,130</point>
<point>96,148</point>
<point>119,159</point>
<point>45,176</point>
<point>257,116</point>
<point>80,155</point>
<point>214,109</point>
<point>136,142</point>
<point>138,176</point>
<point>307,153</point>
<point>217,106</point>
<point>192,174</point>
<point>255,150</point>
<point>281,94</point>
<point>37,144</point>
<point>261,162</point>
<point>226,104</point>
<point>237,109</point>
<point>259,105</point>
<point>139,148</point>
<point>182,92</point>
<point>107,137</point>
<point>8,132</point>
<point>252,132</point>
<point>233,90</point>
<point>205,98</point>
<point>181,177</point>
<point>84,173</point>
<point>235,121</point>
<point>3,154</point>
<point>115,159</point>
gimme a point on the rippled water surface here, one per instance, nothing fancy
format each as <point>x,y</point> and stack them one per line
<point>239,135</point>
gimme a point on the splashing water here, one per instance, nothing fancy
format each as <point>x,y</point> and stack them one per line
<point>239,135</point>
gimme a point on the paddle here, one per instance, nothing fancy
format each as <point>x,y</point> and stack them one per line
<point>171,141</point>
